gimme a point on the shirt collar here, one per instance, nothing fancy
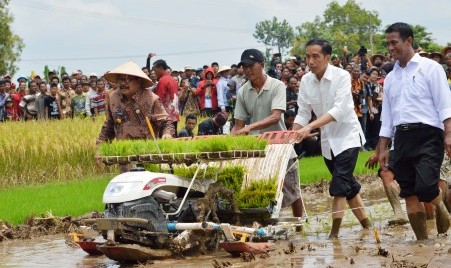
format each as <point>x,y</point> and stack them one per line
<point>416,58</point>
<point>327,74</point>
<point>266,85</point>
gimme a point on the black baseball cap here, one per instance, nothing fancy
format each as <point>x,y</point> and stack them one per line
<point>251,56</point>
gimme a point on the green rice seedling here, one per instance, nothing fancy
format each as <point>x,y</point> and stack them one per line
<point>177,146</point>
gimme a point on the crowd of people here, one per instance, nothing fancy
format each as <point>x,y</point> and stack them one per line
<point>203,91</point>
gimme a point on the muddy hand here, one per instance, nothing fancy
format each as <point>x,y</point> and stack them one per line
<point>243,131</point>
<point>371,162</point>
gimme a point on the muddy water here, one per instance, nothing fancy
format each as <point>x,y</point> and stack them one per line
<point>311,248</point>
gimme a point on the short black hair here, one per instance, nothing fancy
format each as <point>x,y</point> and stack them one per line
<point>214,63</point>
<point>291,77</point>
<point>55,77</point>
<point>53,85</point>
<point>2,82</point>
<point>326,48</point>
<point>66,78</point>
<point>191,116</point>
<point>404,30</point>
<point>161,64</point>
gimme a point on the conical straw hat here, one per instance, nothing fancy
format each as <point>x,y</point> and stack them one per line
<point>128,68</point>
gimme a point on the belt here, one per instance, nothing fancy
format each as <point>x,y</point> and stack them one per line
<point>406,127</point>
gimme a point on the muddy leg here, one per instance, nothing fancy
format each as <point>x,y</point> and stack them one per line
<point>442,215</point>
<point>296,207</point>
<point>359,213</point>
<point>429,211</point>
<point>418,223</point>
<point>417,216</point>
<point>338,207</point>
<point>392,191</point>
<point>445,194</point>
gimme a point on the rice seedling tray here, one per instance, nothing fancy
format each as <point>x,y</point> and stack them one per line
<point>180,158</point>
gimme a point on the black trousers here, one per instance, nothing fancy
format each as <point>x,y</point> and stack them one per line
<point>418,156</point>
<point>342,168</point>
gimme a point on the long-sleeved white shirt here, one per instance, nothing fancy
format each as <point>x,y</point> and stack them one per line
<point>221,90</point>
<point>417,93</point>
<point>332,95</point>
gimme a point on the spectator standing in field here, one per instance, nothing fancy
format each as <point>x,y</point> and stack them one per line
<point>188,98</point>
<point>3,97</point>
<point>39,103</point>
<point>27,104</point>
<point>98,101</point>
<point>17,97</point>
<point>78,102</point>
<point>167,90</point>
<point>206,91</point>
<point>221,89</point>
<point>52,103</point>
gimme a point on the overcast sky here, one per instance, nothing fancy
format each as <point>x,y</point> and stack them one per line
<point>98,35</point>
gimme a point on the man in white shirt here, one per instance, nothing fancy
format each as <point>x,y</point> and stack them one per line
<point>326,91</point>
<point>417,103</point>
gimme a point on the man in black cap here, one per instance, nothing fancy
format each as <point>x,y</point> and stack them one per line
<point>262,101</point>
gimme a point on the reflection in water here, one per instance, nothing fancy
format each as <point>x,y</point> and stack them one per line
<point>313,249</point>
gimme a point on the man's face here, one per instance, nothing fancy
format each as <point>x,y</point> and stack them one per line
<point>128,85</point>
<point>355,73</point>
<point>299,72</point>
<point>396,46</point>
<point>153,76</point>
<point>289,121</point>
<point>66,84</point>
<point>42,88</point>
<point>286,72</point>
<point>73,82</point>
<point>32,88</point>
<point>159,72</point>
<point>85,88</point>
<point>279,67</point>
<point>288,64</point>
<point>240,70</point>
<point>253,71</point>
<point>190,124</point>
<point>53,91</point>
<point>79,89</point>
<point>93,85</point>
<point>292,84</point>
<point>2,88</point>
<point>100,85</point>
<point>336,61</point>
<point>316,60</point>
